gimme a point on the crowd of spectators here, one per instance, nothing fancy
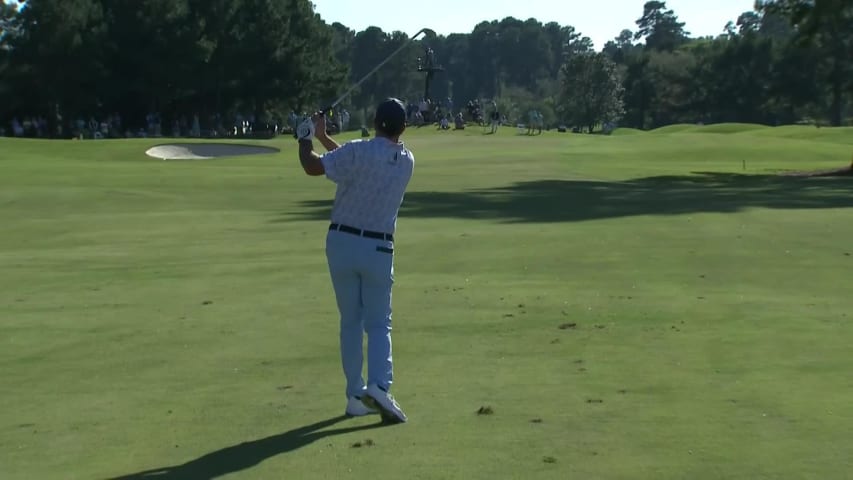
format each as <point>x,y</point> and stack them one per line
<point>424,112</point>
<point>152,124</point>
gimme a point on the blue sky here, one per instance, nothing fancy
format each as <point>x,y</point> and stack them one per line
<point>601,20</point>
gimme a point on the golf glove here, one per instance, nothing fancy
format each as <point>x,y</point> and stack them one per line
<point>305,130</point>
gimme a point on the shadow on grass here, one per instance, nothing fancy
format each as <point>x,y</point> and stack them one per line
<point>578,200</point>
<point>246,455</point>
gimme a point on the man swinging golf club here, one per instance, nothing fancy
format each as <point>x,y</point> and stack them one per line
<point>371,177</point>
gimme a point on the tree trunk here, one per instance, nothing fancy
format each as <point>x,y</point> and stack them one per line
<point>837,113</point>
<point>837,77</point>
<point>219,74</point>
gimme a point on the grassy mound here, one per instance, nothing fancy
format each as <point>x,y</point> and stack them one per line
<point>627,131</point>
<point>729,128</point>
<point>674,128</point>
<point>726,128</point>
<point>842,135</point>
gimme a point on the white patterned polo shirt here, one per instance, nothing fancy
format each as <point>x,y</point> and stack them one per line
<point>372,176</point>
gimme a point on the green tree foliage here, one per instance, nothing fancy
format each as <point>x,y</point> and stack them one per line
<point>174,57</point>
<point>591,90</point>
<point>785,61</point>
<point>826,26</point>
<point>620,47</point>
<point>397,78</point>
<point>756,72</point>
<point>660,27</point>
<point>8,17</point>
<point>59,54</point>
<point>8,30</point>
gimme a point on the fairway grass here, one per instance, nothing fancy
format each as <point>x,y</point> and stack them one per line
<point>627,307</point>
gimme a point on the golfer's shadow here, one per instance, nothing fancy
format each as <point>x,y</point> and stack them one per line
<point>246,455</point>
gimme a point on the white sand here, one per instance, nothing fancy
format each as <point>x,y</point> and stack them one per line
<point>204,151</point>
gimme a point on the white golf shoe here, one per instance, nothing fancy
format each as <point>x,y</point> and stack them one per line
<point>381,400</point>
<point>357,408</point>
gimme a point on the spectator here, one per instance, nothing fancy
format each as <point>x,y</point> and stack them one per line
<point>17,128</point>
<point>459,122</point>
<point>424,109</point>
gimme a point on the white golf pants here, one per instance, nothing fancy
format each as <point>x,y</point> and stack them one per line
<point>362,271</point>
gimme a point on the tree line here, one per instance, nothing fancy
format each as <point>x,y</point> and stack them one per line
<point>786,61</point>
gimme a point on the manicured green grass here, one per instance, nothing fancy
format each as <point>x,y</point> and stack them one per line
<point>835,135</point>
<point>627,131</point>
<point>713,128</point>
<point>629,307</point>
<point>729,128</point>
<point>843,135</point>
<point>674,128</point>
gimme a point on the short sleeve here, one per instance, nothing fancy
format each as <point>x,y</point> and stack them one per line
<point>339,163</point>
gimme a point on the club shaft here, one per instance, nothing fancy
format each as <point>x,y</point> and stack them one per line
<point>358,84</point>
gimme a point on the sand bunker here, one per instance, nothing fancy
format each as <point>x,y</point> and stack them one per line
<point>204,151</point>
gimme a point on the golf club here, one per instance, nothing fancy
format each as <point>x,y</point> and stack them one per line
<point>306,128</point>
<point>376,68</point>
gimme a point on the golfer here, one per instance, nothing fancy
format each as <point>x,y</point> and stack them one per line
<point>371,177</point>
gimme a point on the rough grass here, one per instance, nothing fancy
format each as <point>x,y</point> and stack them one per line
<point>566,306</point>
